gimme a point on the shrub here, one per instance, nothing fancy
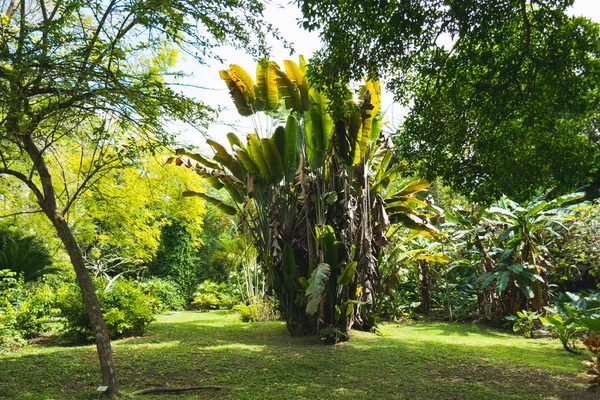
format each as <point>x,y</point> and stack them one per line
<point>127,310</point>
<point>164,294</point>
<point>211,295</point>
<point>10,337</point>
<point>524,322</point>
<point>34,310</point>
<point>257,312</point>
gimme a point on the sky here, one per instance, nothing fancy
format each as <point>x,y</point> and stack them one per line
<point>213,91</point>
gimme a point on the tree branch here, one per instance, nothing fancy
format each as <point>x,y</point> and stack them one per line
<point>26,181</point>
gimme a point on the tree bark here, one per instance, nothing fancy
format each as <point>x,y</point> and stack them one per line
<point>424,285</point>
<point>92,306</point>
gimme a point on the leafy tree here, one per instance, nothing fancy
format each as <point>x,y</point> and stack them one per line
<point>93,72</point>
<point>491,113</point>
<point>125,211</point>
<point>175,258</point>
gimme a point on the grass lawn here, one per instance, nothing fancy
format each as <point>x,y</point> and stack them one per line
<point>260,361</point>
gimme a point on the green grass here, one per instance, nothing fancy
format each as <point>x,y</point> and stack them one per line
<point>260,361</point>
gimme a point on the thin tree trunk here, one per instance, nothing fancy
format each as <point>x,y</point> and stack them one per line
<point>47,202</point>
<point>424,285</point>
<point>107,364</point>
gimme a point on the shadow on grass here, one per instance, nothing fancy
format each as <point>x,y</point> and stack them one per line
<point>263,361</point>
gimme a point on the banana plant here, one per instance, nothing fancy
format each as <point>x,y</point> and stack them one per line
<point>528,231</point>
<point>313,194</point>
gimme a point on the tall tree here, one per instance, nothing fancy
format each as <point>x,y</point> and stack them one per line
<point>504,95</point>
<point>93,71</point>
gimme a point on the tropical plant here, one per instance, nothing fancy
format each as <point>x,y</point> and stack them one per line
<point>524,322</point>
<point>164,294</point>
<point>25,255</point>
<point>565,328</point>
<point>311,194</point>
<point>526,236</point>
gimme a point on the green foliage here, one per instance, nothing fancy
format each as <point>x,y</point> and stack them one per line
<point>211,295</point>
<point>127,310</point>
<point>11,338</point>
<point>333,335</point>
<point>578,255</point>
<point>24,255</point>
<point>175,259</point>
<point>164,294</point>
<point>515,90</point>
<point>37,304</point>
<point>259,311</point>
<point>217,255</point>
<point>565,328</point>
<point>524,322</point>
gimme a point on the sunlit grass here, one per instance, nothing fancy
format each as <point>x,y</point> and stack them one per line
<point>407,361</point>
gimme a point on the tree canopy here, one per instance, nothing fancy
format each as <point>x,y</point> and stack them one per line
<point>507,105</point>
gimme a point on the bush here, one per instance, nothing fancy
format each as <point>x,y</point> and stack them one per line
<point>210,295</point>
<point>127,310</point>
<point>35,309</point>
<point>164,294</point>
<point>10,337</point>
<point>257,312</point>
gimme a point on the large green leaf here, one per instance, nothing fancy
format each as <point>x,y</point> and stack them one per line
<point>297,76</point>
<point>438,257</point>
<point>316,287</point>
<point>412,188</point>
<point>267,94</point>
<point>220,204</point>
<point>273,159</point>
<point>503,279</point>
<point>226,159</point>
<point>247,162</point>
<point>288,91</point>
<point>239,91</point>
<point>256,153</point>
<point>346,277</point>
<point>371,125</point>
<point>234,140</point>
<point>289,269</point>
<point>290,154</point>
<point>355,136</point>
<point>327,236</point>
<point>199,158</point>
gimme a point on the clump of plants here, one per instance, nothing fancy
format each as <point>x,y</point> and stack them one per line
<point>25,310</point>
<point>259,311</point>
<point>10,337</point>
<point>127,309</point>
<point>524,322</point>
<point>212,296</point>
<point>164,295</point>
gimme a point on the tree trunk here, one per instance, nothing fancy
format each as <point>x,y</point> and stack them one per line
<point>485,296</point>
<point>47,200</point>
<point>424,285</point>
<point>90,301</point>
